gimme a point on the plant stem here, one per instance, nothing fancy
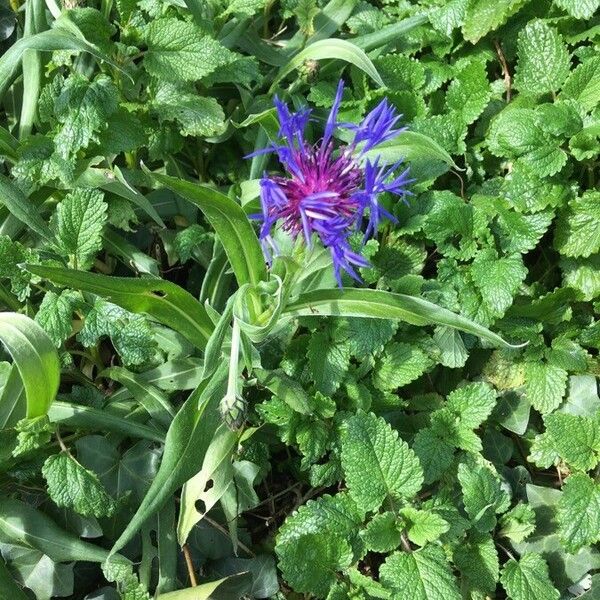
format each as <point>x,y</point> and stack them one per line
<point>189,564</point>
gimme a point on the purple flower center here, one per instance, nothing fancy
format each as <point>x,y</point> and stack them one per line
<point>328,192</point>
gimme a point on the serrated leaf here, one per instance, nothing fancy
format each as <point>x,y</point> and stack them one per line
<point>545,385</point>
<point>55,314</point>
<point>580,9</point>
<point>527,579</point>
<point>376,463</point>
<point>477,560</point>
<point>483,16</point>
<point>579,512</point>
<point>423,526</point>
<point>543,60</point>
<point>518,523</point>
<point>180,51</point>
<point>578,229</point>
<point>421,575</point>
<point>583,83</point>
<point>483,494</point>
<point>71,485</point>
<point>469,92</point>
<point>381,533</point>
<point>329,362</point>
<point>400,364</point>
<point>78,221</point>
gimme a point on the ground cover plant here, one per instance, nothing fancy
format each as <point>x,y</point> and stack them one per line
<point>245,353</point>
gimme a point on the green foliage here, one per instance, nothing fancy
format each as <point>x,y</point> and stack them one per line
<point>388,444</point>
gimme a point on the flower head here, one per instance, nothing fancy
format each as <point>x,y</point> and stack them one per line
<point>330,190</point>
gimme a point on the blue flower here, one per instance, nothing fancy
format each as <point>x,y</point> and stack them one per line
<point>330,191</point>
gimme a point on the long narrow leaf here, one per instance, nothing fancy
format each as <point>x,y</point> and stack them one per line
<point>165,301</point>
<point>36,359</point>
<point>386,305</point>
<point>231,224</point>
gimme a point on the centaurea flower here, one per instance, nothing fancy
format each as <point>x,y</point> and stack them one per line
<point>329,190</point>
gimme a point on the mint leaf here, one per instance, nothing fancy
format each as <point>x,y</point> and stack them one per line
<point>381,533</point>
<point>469,92</point>
<point>55,314</point>
<point>376,464</point>
<point>310,564</point>
<point>582,275</point>
<point>545,385</point>
<point>543,60</point>
<point>578,229</point>
<point>583,83</point>
<point>576,439</point>
<point>32,434</point>
<point>580,9</point>
<point>483,16</point>
<point>365,336</point>
<point>195,115</point>
<point>527,579</point>
<point>78,222</point>
<point>423,526</point>
<point>71,485</point>
<point>180,51</point>
<point>483,494</point>
<point>579,512</point>
<point>477,560</point>
<point>82,109</point>
<point>400,364</point>
<point>421,575</point>
<point>328,361</point>
<point>518,523</point>
<point>130,333</point>
<point>12,254</point>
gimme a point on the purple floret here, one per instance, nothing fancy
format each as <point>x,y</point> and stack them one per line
<point>328,190</point>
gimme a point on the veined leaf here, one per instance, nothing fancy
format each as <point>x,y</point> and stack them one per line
<point>165,301</point>
<point>332,48</point>
<point>36,359</point>
<point>186,443</point>
<point>231,224</point>
<point>8,585</point>
<point>22,209</point>
<point>227,588</point>
<point>351,302</point>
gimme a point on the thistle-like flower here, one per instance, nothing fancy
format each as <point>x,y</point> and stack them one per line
<point>331,190</point>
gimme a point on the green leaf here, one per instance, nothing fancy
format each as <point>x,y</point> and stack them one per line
<point>543,60</point>
<point>82,109</point>
<point>71,485</point>
<point>484,16</point>
<point>8,584</point>
<point>576,439</point>
<point>421,575</point>
<point>377,465</point>
<point>329,361</point>
<point>545,385</point>
<point>483,494</point>
<point>400,364</point>
<point>55,314</point>
<point>36,359</point>
<point>29,527</point>
<point>12,256</point>
<point>228,588</point>
<point>195,115</point>
<point>166,302</point>
<point>186,443</point>
<point>310,564</point>
<point>423,526</point>
<point>231,224</point>
<point>382,533</point>
<point>578,229</point>
<point>580,9</point>
<point>350,302</point>
<point>331,48</point>
<point>579,512</point>
<point>498,279</point>
<point>79,220</point>
<point>527,579</point>
<point>477,560</point>
<point>180,51</point>
<point>518,523</point>
<point>130,334</point>
<point>583,84</point>
<point>469,93</point>
<point>24,210</point>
